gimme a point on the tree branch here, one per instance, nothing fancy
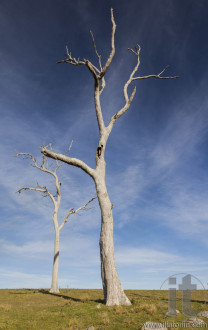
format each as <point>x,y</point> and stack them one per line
<point>100,64</point>
<point>98,91</point>
<point>69,148</point>
<point>43,169</point>
<point>156,75</point>
<point>74,61</point>
<point>71,60</point>
<point>73,211</point>
<point>97,74</point>
<point>112,53</point>
<point>128,99</point>
<point>40,189</point>
<point>93,69</point>
<point>95,48</point>
<point>72,161</point>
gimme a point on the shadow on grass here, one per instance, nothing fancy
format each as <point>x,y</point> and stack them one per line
<point>199,301</point>
<point>101,301</point>
<point>26,291</point>
<point>17,292</point>
<point>179,299</point>
<point>59,295</point>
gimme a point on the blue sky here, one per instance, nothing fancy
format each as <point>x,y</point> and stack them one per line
<point>157,173</point>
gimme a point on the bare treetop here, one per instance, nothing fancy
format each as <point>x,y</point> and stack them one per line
<point>99,73</point>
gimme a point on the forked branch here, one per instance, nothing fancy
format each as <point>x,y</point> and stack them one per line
<point>73,211</point>
<point>156,75</point>
<point>72,60</point>
<point>128,99</point>
<point>42,168</point>
<point>98,74</point>
<point>100,64</point>
<point>43,189</point>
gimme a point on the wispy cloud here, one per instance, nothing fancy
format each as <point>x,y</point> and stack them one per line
<point>37,248</point>
<point>14,279</point>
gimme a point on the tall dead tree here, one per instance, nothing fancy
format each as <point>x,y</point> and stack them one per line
<point>113,292</point>
<point>56,203</point>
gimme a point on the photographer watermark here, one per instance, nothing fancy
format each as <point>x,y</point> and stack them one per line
<point>165,325</point>
<point>186,284</point>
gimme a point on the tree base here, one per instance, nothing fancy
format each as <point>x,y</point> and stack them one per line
<point>124,301</point>
<point>115,295</point>
<point>54,290</point>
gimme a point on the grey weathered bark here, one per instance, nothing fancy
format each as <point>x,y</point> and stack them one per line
<point>56,202</point>
<point>113,292</point>
<point>54,284</point>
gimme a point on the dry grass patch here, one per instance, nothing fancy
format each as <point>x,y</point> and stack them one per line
<point>85,297</point>
<point>162,306</point>
<point>129,323</point>
<point>105,319</point>
<point>134,301</point>
<point>5,307</point>
<point>148,308</point>
<point>74,324</point>
<point>120,310</point>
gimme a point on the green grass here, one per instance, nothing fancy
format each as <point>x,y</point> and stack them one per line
<point>27,309</point>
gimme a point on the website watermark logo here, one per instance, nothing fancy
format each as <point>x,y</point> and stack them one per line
<point>186,284</point>
<point>165,325</point>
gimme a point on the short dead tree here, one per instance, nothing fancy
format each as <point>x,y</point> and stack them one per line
<point>56,203</point>
<point>113,291</point>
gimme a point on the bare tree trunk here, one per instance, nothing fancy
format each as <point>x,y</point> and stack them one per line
<point>113,291</point>
<point>54,284</point>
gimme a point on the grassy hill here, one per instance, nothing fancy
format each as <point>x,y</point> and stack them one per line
<point>27,309</point>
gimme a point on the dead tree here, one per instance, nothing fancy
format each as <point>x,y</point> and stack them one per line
<point>56,203</point>
<point>113,292</point>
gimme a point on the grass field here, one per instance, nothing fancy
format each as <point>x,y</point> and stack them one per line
<point>28,309</point>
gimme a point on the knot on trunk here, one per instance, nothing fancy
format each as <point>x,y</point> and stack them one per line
<point>99,150</point>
